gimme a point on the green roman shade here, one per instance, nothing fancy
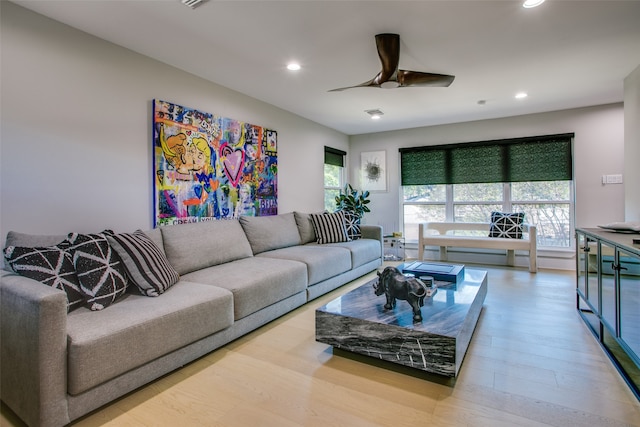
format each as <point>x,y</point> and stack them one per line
<point>334,157</point>
<point>541,158</point>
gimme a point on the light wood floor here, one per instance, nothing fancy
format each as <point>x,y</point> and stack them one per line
<point>531,362</point>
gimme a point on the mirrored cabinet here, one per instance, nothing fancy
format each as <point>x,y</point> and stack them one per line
<point>608,296</point>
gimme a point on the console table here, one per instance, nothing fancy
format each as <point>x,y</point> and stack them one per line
<point>608,296</point>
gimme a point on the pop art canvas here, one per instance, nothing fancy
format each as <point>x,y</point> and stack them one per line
<point>209,167</point>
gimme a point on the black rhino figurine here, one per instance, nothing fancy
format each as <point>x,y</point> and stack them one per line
<point>396,285</point>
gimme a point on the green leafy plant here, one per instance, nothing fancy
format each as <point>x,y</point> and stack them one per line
<point>353,200</point>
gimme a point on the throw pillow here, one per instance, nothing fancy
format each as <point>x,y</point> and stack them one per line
<point>330,227</point>
<point>305,227</point>
<point>266,233</point>
<point>508,225</point>
<point>352,222</point>
<point>147,266</point>
<point>50,265</point>
<point>100,271</point>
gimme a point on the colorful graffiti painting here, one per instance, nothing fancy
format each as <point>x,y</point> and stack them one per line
<point>209,167</point>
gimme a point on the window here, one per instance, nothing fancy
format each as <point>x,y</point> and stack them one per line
<point>466,182</point>
<point>333,176</point>
<point>546,204</point>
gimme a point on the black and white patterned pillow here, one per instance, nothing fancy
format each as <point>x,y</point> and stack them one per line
<point>51,265</point>
<point>330,227</point>
<point>352,222</point>
<point>100,271</point>
<point>147,266</point>
<point>507,225</point>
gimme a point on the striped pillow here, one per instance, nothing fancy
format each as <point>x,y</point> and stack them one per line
<point>330,227</point>
<point>147,266</point>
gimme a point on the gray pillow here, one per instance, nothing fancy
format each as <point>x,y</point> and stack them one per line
<point>194,246</point>
<point>32,240</point>
<point>266,233</point>
<point>305,227</point>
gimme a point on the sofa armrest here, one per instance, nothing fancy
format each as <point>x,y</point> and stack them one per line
<point>33,357</point>
<point>373,232</point>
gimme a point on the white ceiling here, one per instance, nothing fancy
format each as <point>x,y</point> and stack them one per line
<point>565,54</point>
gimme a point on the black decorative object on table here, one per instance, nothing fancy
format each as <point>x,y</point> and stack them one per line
<point>396,285</point>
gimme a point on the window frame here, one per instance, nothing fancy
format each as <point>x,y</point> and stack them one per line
<point>331,158</point>
<point>507,206</point>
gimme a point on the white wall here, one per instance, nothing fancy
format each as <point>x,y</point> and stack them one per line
<point>632,145</point>
<point>75,141</point>
<point>598,150</point>
<point>76,130</point>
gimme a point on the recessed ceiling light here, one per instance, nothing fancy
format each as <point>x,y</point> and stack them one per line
<point>293,66</point>
<point>375,114</point>
<point>521,95</point>
<point>532,3</point>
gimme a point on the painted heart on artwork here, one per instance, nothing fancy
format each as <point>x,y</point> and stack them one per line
<point>232,161</point>
<point>198,191</point>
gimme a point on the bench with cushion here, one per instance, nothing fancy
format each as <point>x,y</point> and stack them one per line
<point>461,234</point>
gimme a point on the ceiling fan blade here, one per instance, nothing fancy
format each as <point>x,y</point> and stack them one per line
<point>388,46</point>
<point>370,83</point>
<point>389,53</point>
<point>416,78</point>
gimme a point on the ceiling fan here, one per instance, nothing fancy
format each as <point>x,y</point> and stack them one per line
<point>391,77</point>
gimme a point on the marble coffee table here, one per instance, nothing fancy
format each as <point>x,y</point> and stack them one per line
<point>358,322</point>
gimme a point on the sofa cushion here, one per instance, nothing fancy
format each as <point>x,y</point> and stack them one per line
<point>266,233</point>
<point>50,265</point>
<point>191,247</point>
<point>101,273</point>
<point>323,261</point>
<point>330,227</point>
<point>362,250</point>
<point>146,265</point>
<point>104,344</point>
<point>305,227</point>
<point>506,225</point>
<point>15,238</point>
<point>156,237</point>
<point>255,282</point>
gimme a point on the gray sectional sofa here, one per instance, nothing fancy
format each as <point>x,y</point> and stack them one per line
<point>235,276</point>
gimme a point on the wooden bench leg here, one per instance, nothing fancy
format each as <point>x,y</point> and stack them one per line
<point>533,263</point>
<point>511,257</point>
<point>443,253</point>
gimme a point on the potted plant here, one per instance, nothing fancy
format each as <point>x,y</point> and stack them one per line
<point>354,201</point>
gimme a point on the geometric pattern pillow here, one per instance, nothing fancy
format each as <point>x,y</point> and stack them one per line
<point>148,268</point>
<point>330,227</point>
<point>507,225</point>
<point>352,222</point>
<point>52,266</point>
<point>100,270</point>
